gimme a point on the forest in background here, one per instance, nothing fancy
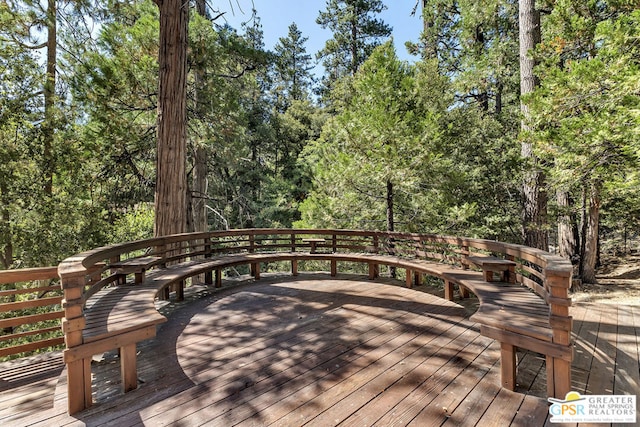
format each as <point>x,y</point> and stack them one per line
<point>449,144</point>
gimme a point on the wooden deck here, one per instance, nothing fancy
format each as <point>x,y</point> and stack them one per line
<point>313,351</point>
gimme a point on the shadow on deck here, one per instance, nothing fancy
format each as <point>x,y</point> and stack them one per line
<point>313,351</point>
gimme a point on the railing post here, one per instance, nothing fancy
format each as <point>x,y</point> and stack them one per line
<point>294,262</point>
<point>373,268</point>
<point>334,243</point>
<point>253,266</point>
<point>208,276</point>
<point>162,250</point>
<point>78,370</point>
<point>559,370</point>
<point>464,252</point>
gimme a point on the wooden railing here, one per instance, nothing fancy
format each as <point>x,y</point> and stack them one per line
<point>84,274</point>
<point>30,301</point>
<point>30,310</point>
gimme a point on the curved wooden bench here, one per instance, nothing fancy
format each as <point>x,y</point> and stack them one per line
<point>104,312</point>
<point>518,318</point>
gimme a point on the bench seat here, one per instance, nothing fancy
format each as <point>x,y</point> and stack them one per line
<point>117,310</point>
<point>117,317</point>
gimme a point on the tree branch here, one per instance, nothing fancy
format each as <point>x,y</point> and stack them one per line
<point>237,76</point>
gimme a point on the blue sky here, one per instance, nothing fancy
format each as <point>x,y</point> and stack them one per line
<point>277,15</point>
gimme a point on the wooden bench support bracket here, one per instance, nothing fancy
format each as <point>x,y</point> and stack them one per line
<point>374,271</point>
<point>180,291</point>
<point>128,367</point>
<point>508,366</point>
<point>448,290</point>
<point>563,352</point>
<point>218,277</point>
<point>79,385</point>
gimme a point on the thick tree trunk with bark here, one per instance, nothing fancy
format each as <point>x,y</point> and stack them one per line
<point>171,180</point>
<point>590,257</point>
<point>534,194</point>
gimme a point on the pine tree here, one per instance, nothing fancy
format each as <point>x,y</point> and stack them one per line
<point>293,67</point>
<point>356,32</point>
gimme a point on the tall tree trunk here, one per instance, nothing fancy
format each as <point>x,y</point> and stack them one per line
<point>199,190</point>
<point>390,219</point>
<point>499,90</point>
<point>171,180</point>
<point>567,241</point>
<point>583,229</point>
<point>534,194</point>
<point>48,126</point>
<point>590,258</point>
<point>198,200</point>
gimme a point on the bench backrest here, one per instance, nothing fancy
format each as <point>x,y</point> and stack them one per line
<point>84,274</point>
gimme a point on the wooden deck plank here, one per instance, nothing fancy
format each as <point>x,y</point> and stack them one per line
<point>286,352</point>
<point>434,377</point>
<point>182,412</point>
<point>502,410</point>
<point>602,372</point>
<point>585,338</point>
<point>390,397</point>
<point>341,369</point>
<point>439,409</point>
<point>340,402</point>
<point>396,363</point>
<point>627,376</point>
<point>229,356</point>
<point>322,401</point>
<point>534,411</point>
<point>351,377</point>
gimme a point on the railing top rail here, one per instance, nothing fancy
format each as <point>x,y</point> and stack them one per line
<point>28,274</point>
<point>78,264</point>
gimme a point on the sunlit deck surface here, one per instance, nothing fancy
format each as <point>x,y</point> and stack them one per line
<point>314,351</point>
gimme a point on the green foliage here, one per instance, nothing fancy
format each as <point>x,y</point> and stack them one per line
<point>476,44</point>
<point>292,69</point>
<point>449,168</point>
<point>442,131</point>
<point>115,88</point>
<point>136,224</point>
<point>356,32</point>
<point>587,108</point>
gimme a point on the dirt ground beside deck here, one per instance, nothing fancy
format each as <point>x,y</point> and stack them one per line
<point>618,282</point>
